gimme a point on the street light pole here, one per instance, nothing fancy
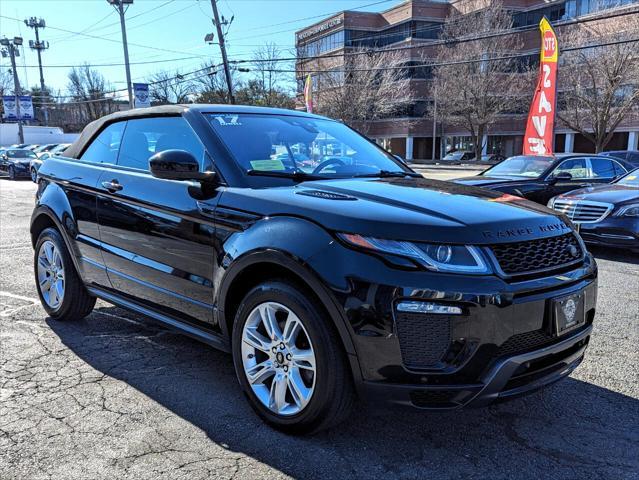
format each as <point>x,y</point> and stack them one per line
<point>119,7</point>
<point>220,37</point>
<point>38,47</point>
<point>12,50</point>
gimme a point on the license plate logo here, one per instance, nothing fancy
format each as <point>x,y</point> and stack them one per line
<point>569,308</point>
<point>569,312</point>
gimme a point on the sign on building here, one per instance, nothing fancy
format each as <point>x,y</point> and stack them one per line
<point>141,95</point>
<point>10,110</point>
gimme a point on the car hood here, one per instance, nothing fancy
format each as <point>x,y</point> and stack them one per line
<point>20,161</point>
<point>482,181</point>
<point>404,208</point>
<point>604,193</point>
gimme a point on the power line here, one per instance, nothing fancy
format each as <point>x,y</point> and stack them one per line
<point>106,39</point>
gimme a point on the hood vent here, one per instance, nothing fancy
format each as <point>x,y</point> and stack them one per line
<point>325,195</point>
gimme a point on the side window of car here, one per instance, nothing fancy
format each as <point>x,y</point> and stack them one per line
<point>602,168</point>
<point>576,167</point>
<point>145,137</point>
<point>104,148</point>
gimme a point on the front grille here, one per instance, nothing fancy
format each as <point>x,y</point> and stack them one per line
<point>423,339</point>
<point>525,342</point>
<point>543,254</point>
<point>433,398</point>
<point>582,211</point>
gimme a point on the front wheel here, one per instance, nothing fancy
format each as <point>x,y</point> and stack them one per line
<point>12,172</point>
<point>289,360</point>
<point>34,175</point>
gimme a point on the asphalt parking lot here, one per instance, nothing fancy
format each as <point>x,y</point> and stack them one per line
<point>116,396</point>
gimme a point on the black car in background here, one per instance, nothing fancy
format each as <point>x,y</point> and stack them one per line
<point>630,156</point>
<point>36,163</point>
<point>326,276</point>
<point>15,162</point>
<point>607,214</point>
<point>539,178</point>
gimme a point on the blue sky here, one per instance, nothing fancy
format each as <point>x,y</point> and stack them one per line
<point>175,30</point>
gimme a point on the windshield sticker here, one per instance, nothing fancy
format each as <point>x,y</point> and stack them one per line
<point>267,165</point>
<point>228,120</point>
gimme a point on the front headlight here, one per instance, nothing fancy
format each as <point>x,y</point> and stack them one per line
<point>631,210</point>
<point>437,257</point>
<point>551,202</point>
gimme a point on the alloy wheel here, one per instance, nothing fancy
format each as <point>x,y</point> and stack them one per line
<point>50,274</point>
<point>34,175</point>
<point>278,358</point>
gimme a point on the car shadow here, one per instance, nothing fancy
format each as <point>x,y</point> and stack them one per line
<point>614,254</point>
<point>572,430</point>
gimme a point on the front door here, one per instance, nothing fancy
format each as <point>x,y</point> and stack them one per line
<point>157,238</point>
<point>580,176</point>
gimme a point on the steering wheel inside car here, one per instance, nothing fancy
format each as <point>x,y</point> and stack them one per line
<point>327,163</point>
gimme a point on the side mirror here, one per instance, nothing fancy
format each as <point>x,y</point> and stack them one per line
<point>178,165</point>
<point>565,176</point>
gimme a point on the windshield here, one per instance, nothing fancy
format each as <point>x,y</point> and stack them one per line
<point>292,144</point>
<point>20,154</point>
<point>630,180</point>
<point>520,166</point>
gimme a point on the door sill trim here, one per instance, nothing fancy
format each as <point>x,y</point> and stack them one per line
<point>182,327</point>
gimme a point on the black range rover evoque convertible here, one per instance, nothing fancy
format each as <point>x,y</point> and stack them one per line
<point>327,267</point>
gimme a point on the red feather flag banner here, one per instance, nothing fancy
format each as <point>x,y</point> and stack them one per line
<point>540,127</point>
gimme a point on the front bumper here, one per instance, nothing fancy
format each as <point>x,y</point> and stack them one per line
<point>509,378</point>
<point>502,345</point>
<point>618,232</point>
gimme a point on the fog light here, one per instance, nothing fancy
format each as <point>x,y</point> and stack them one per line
<point>428,307</point>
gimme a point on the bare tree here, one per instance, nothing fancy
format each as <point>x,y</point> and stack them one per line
<point>370,86</point>
<point>6,82</point>
<point>599,87</point>
<point>211,85</point>
<point>166,87</point>
<point>90,92</point>
<point>268,70</point>
<point>474,94</point>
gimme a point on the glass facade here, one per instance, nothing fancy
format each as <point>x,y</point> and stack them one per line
<point>565,10</point>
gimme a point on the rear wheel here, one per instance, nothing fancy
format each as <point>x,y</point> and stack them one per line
<point>289,360</point>
<point>12,172</point>
<point>60,289</point>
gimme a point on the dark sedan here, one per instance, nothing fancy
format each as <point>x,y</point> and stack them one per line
<point>16,162</point>
<point>607,214</point>
<point>539,178</point>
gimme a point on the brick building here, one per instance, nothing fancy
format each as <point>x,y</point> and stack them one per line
<point>417,24</point>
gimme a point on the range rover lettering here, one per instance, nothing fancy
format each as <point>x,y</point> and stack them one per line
<point>328,269</point>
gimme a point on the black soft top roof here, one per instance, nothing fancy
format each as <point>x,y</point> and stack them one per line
<point>77,147</point>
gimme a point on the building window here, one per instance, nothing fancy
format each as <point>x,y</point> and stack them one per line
<point>321,45</point>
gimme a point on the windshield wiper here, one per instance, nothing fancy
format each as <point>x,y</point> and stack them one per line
<point>389,174</point>
<point>295,175</point>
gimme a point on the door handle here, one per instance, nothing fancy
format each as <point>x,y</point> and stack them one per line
<point>112,186</point>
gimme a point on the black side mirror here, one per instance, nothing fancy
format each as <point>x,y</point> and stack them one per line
<point>178,165</point>
<point>565,176</point>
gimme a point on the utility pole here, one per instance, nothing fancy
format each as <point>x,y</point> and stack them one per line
<point>434,122</point>
<point>119,7</point>
<point>11,50</point>
<point>38,46</point>
<point>220,36</point>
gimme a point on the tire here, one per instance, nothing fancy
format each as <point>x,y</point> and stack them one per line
<point>12,172</point>
<point>34,175</point>
<point>332,392</point>
<point>74,303</point>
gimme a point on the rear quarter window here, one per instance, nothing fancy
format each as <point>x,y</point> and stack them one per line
<point>104,148</point>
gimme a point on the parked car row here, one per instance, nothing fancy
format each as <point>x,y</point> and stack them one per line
<point>23,160</point>
<point>598,193</point>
